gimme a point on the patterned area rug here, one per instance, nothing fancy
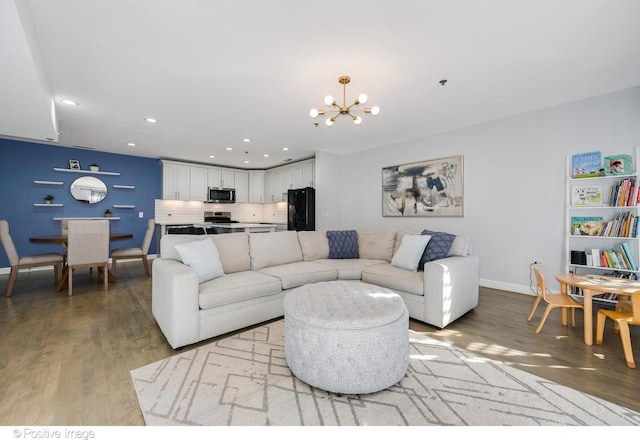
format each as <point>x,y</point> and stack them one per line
<point>244,380</point>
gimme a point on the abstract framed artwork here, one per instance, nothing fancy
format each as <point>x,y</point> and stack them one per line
<point>432,188</point>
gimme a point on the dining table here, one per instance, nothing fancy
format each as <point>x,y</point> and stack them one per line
<point>113,236</point>
<point>592,286</point>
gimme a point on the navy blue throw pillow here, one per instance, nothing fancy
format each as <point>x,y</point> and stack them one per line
<point>343,244</point>
<point>438,247</point>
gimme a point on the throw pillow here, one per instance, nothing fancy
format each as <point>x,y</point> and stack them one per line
<point>343,244</point>
<point>202,256</point>
<point>438,246</point>
<point>410,252</point>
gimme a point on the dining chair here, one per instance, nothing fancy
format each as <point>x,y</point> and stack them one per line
<point>88,246</point>
<point>626,313</point>
<point>135,252</point>
<point>553,300</point>
<point>27,261</point>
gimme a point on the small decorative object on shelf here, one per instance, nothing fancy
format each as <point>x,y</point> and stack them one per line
<point>107,213</point>
<point>618,164</point>
<point>74,164</point>
<point>586,164</point>
<point>48,198</point>
<point>94,167</point>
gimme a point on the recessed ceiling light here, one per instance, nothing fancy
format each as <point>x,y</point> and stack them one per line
<point>131,144</point>
<point>229,148</point>
<point>69,102</point>
<point>151,120</point>
<point>212,156</point>
<point>285,149</point>
<point>265,155</point>
<point>246,140</point>
<point>246,161</point>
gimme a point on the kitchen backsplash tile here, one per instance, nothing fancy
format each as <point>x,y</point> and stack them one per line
<point>185,212</point>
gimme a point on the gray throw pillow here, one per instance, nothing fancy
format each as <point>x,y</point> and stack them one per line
<point>343,244</point>
<point>438,247</point>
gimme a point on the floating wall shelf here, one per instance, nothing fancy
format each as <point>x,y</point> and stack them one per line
<point>67,170</point>
<point>124,206</point>
<point>48,204</point>
<point>124,186</point>
<point>86,218</point>
<point>47,182</point>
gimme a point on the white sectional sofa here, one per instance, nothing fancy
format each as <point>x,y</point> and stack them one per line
<point>254,271</point>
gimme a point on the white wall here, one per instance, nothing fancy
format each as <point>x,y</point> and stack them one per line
<point>514,182</point>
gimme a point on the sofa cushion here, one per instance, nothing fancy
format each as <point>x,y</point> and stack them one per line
<point>410,253</point>
<point>349,268</point>
<point>300,273</point>
<point>399,236</point>
<point>234,251</point>
<point>438,246</point>
<point>343,244</point>
<point>202,256</point>
<point>237,287</point>
<point>376,245</point>
<point>391,277</point>
<point>314,245</point>
<point>168,245</point>
<point>461,247</point>
<point>274,248</point>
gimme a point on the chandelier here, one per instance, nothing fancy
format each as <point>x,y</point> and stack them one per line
<point>343,109</point>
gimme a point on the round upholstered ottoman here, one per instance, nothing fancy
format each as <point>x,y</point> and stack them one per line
<point>346,337</point>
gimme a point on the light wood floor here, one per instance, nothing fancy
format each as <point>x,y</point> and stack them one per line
<point>66,361</point>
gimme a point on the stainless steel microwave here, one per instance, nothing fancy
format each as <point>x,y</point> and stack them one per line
<point>222,195</point>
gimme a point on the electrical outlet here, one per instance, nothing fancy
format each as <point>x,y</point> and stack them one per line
<point>537,262</point>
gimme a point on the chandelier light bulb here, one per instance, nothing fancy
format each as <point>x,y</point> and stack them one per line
<point>375,111</point>
<point>362,98</point>
<point>330,121</point>
<point>357,120</point>
<point>329,100</point>
<point>314,113</point>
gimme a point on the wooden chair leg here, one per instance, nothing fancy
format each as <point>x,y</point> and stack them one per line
<point>625,337</point>
<point>533,309</point>
<point>105,276</point>
<point>12,279</point>
<point>547,310</point>
<point>573,317</point>
<point>600,321</point>
<point>146,266</point>
<point>113,266</point>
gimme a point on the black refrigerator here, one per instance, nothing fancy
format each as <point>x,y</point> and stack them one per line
<point>302,209</point>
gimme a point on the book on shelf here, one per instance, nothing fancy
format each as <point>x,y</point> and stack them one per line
<point>595,257</point>
<point>586,164</point>
<point>627,252</point>
<point>621,194</point>
<point>591,226</point>
<point>590,195</point>
<point>618,164</point>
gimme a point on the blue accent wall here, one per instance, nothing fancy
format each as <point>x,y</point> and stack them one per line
<point>23,162</point>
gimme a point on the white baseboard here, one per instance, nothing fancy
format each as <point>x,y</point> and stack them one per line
<point>6,270</point>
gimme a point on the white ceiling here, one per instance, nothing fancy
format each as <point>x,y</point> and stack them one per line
<point>215,72</point>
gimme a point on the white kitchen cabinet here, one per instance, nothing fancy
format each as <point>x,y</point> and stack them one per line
<point>273,185</point>
<point>256,186</point>
<point>198,189</point>
<point>241,184</point>
<point>221,178</point>
<point>286,183</point>
<point>175,181</point>
<point>308,174</point>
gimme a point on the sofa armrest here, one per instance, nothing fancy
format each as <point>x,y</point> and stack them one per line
<point>174,301</point>
<point>451,287</point>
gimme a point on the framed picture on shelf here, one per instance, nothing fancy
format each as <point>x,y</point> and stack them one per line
<point>618,164</point>
<point>74,164</point>
<point>432,188</point>
<point>591,226</point>
<point>586,195</point>
<point>586,164</point>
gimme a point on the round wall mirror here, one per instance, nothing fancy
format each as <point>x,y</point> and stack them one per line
<point>88,189</point>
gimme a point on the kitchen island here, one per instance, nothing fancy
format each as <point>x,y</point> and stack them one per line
<point>223,228</point>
